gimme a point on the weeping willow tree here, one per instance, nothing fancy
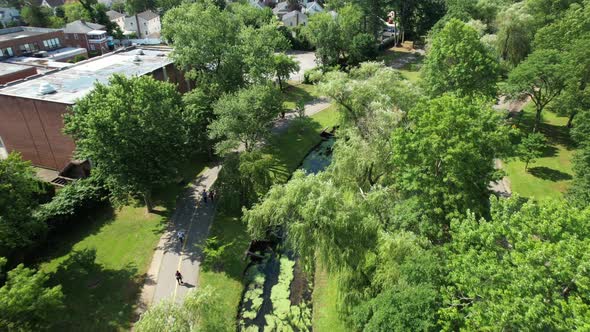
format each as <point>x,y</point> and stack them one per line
<point>515,33</point>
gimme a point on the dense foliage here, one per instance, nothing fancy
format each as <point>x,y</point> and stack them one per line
<point>18,187</point>
<point>130,129</point>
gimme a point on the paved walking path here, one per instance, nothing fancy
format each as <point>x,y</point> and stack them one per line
<point>194,218</point>
<point>311,108</point>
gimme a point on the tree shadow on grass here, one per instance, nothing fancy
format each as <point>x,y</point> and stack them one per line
<point>554,134</point>
<point>549,151</point>
<point>60,243</point>
<point>547,173</point>
<point>96,298</point>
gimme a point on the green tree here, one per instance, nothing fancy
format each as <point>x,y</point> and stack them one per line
<point>133,7</point>
<point>458,62</point>
<point>284,67</point>
<point>515,33</point>
<point>18,187</point>
<point>204,39</point>
<point>258,49</point>
<point>185,317</point>
<point>524,268</point>
<point>542,77</point>
<point>75,11</point>
<point>197,115</point>
<point>250,15</point>
<point>26,304</point>
<point>324,33</point>
<point>36,16</point>
<point>444,157</point>
<point>131,130</point>
<point>531,148</point>
<point>245,117</point>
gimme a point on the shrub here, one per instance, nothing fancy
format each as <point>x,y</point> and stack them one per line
<point>72,200</point>
<point>312,76</point>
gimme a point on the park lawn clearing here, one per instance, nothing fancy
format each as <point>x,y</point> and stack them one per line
<point>298,92</point>
<point>551,175</point>
<point>325,302</point>
<point>101,262</point>
<point>288,148</point>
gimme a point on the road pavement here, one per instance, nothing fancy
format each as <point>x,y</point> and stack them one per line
<point>194,218</point>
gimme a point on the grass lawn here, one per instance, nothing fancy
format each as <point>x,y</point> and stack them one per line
<point>549,176</point>
<point>289,148</point>
<point>406,62</point>
<point>102,260</point>
<point>325,300</point>
<point>295,92</point>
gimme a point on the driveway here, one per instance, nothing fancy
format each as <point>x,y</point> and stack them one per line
<point>306,61</point>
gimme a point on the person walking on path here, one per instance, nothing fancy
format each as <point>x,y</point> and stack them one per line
<point>179,278</point>
<point>181,236</point>
<point>211,195</point>
<point>204,194</point>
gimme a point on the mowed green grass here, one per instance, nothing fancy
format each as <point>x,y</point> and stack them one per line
<point>288,148</point>
<point>551,175</point>
<point>298,92</point>
<point>325,303</point>
<point>102,260</point>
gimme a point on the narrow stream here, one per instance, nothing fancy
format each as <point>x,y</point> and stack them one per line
<point>285,289</point>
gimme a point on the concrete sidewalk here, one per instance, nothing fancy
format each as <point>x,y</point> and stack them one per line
<point>194,218</point>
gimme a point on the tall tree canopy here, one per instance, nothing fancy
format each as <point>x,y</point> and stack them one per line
<point>18,187</point>
<point>26,304</point>
<point>444,157</point>
<point>458,62</point>
<point>130,129</point>
<point>515,33</point>
<point>541,77</point>
<point>245,117</point>
<point>526,268</point>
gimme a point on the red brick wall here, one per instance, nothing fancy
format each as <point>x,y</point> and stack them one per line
<point>18,75</point>
<point>34,128</point>
<point>38,39</point>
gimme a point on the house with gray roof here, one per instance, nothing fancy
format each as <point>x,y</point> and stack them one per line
<point>144,25</point>
<point>91,36</point>
<point>294,18</point>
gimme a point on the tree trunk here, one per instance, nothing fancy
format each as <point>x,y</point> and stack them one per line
<point>571,120</point>
<point>526,166</point>
<point>148,202</point>
<point>537,120</point>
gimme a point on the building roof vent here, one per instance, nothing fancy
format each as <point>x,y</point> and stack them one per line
<point>46,89</point>
<point>140,52</point>
<point>136,58</point>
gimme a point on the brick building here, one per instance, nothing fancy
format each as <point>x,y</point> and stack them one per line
<point>31,110</point>
<point>26,41</point>
<point>91,36</point>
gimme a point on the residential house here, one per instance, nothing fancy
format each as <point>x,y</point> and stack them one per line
<point>294,18</point>
<point>311,8</point>
<point>31,111</point>
<point>144,25</point>
<point>91,36</point>
<point>9,16</point>
<point>27,41</point>
<point>281,9</point>
<point>53,4</point>
<point>117,18</point>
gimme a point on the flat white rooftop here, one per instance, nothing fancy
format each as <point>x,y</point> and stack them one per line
<point>76,81</point>
<point>10,68</point>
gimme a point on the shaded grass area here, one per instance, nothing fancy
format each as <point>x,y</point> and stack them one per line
<point>102,260</point>
<point>288,148</point>
<point>227,279</point>
<point>550,175</point>
<point>404,60</point>
<point>325,303</point>
<point>298,92</point>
